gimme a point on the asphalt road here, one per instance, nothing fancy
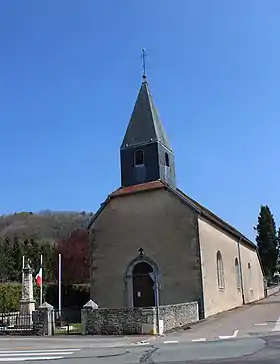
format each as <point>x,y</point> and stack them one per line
<point>259,318</point>
<point>254,350</point>
<point>250,334</point>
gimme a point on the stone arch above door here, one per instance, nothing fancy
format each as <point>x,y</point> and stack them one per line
<point>129,299</point>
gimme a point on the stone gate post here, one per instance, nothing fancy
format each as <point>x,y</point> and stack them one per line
<point>85,312</point>
<point>46,315</point>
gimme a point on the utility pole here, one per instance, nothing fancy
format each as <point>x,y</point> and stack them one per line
<point>240,271</point>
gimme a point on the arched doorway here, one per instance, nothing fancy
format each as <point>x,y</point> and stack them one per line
<point>143,285</point>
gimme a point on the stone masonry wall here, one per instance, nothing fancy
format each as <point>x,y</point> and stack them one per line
<point>38,318</point>
<point>273,290</point>
<point>125,321</point>
<point>178,315</point>
<point>113,321</point>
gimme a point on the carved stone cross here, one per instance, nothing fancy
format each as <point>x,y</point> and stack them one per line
<point>141,251</point>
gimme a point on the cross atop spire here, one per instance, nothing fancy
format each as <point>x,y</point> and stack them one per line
<point>146,154</point>
<point>143,57</point>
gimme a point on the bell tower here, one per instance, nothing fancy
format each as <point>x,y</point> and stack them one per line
<point>145,152</point>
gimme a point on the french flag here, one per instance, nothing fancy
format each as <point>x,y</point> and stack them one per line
<point>38,278</point>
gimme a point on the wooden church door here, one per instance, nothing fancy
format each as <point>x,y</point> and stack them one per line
<point>143,285</point>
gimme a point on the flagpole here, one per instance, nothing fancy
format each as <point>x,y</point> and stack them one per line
<point>59,284</point>
<point>22,267</point>
<point>41,287</point>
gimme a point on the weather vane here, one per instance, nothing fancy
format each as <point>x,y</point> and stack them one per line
<point>143,56</point>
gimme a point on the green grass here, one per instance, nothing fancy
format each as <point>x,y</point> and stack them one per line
<point>74,328</point>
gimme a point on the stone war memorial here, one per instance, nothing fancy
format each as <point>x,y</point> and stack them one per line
<point>160,259</point>
<point>27,302</point>
<point>29,320</point>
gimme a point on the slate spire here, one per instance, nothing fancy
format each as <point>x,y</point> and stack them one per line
<point>145,125</point>
<point>146,154</point>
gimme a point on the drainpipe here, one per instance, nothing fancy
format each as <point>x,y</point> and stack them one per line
<point>240,271</point>
<point>157,300</point>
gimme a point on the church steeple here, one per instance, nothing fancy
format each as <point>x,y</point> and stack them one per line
<point>144,125</point>
<point>146,154</point>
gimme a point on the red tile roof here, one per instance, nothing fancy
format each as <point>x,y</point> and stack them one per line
<point>138,188</point>
<point>194,204</point>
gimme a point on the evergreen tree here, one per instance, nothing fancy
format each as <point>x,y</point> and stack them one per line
<point>47,250</point>
<point>13,249</point>
<point>2,261</point>
<point>34,253</point>
<point>278,251</point>
<point>26,248</point>
<point>267,241</point>
<point>6,263</point>
<point>16,257</point>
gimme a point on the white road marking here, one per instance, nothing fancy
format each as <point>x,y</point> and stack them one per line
<point>171,342</point>
<point>23,355</point>
<point>36,351</point>
<point>277,325</point>
<point>225,337</point>
<point>141,343</point>
<point>34,354</point>
<point>31,358</point>
<point>263,324</point>
<point>112,345</point>
<point>229,337</point>
<point>201,339</point>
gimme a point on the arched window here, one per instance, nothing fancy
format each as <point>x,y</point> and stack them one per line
<point>139,157</point>
<point>237,274</point>
<point>220,271</point>
<point>249,275</point>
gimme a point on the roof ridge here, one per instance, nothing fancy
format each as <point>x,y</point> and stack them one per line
<point>210,213</point>
<point>153,185</point>
<point>145,124</point>
<point>141,187</point>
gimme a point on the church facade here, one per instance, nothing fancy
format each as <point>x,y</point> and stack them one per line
<point>152,244</point>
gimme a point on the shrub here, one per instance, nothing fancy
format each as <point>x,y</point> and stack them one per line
<point>10,294</point>
<point>73,296</point>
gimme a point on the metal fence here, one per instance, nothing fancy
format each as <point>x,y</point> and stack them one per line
<point>13,323</point>
<point>67,322</point>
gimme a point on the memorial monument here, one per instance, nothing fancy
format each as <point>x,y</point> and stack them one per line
<point>27,302</point>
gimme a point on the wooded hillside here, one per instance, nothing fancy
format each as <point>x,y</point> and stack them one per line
<point>47,233</point>
<point>45,225</point>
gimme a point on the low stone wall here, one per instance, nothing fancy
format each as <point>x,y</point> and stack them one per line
<point>122,321</point>
<point>272,290</point>
<point>181,314</point>
<point>125,321</point>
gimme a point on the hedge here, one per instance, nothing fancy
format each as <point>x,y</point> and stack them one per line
<point>10,295</point>
<point>73,296</point>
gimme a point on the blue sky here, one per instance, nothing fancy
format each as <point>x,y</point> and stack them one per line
<point>70,72</point>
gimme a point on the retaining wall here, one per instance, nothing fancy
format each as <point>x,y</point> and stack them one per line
<point>125,321</point>
<point>272,290</point>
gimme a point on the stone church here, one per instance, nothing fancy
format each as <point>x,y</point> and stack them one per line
<point>153,244</point>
